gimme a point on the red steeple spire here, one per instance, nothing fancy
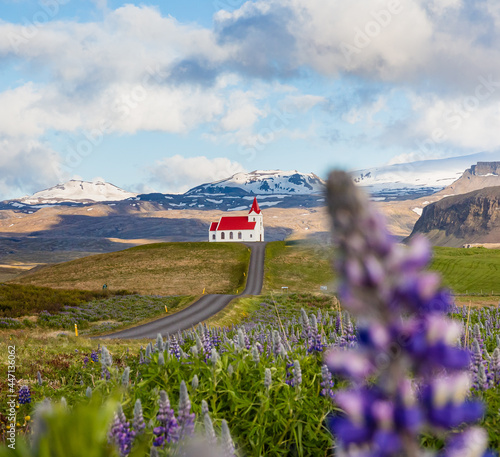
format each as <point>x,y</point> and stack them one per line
<point>255,207</point>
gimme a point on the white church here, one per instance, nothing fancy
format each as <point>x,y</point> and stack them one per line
<point>239,228</point>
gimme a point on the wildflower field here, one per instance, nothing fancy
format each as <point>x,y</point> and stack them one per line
<point>392,367</point>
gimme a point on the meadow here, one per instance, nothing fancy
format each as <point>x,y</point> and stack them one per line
<point>153,269</point>
<point>267,371</point>
<point>254,374</point>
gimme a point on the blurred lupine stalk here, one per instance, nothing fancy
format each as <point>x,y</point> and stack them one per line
<point>408,376</point>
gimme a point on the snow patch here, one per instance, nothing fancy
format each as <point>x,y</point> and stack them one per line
<point>268,203</point>
<point>418,211</point>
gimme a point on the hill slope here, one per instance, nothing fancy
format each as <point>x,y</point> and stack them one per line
<point>153,269</point>
<point>462,219</point>
<point>479,176</point>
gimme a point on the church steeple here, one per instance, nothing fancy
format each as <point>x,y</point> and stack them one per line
<point>255,207</point>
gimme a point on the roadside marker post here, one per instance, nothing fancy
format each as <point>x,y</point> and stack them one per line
<point>203,291</point>
<point>76,330</point>
<point>166,310</point>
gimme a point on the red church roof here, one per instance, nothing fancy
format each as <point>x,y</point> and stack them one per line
<point>234,223</point>
<point>213,226</point>
<point>255,207</point>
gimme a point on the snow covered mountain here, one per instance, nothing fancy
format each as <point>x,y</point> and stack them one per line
<point>259,182</point>
<point>417,179</point>
<point>78,192</point>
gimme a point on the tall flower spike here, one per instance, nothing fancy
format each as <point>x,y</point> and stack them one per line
<point>168,431</point>
<point>39,378</point>
<point>267,378</point>
<point>159,343</point>
<point>138,423</point>
<point>121,434</point>
<point>209,430</point>
<point>255,354</point>
<point>126,377</point>
<point>185,417</point>
<point>400,306</point>
<point>297,373</point>
<point>204,407</point>
<point>227,441</point>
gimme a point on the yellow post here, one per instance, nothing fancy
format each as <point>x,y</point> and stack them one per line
<point>244,274</point>
<point>204,291</point>
<point>166,310</point>
<point>76,330</point>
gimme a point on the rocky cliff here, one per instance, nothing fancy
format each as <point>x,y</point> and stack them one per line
<point>462,219</point>
<point>479,176</point>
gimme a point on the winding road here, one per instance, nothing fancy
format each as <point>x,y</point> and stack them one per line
<point>202,309</point>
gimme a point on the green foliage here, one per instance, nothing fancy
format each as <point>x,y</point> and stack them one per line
<point>81,431</point>
<point>17,300</point>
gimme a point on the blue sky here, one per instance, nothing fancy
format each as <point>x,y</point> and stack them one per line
<point>162,96</point>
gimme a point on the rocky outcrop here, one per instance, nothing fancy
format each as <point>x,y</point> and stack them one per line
<point>462,219</point>
<point>479,176</point>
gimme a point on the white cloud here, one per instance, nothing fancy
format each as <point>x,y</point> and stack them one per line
<point>26,167</point>
<point>178,174</point>
<point>463,122</point>
<point>366,112</point>
<point>301,103</point>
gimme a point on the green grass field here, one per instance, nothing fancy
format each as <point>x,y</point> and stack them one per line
<point>154,269</point>
<point>303,267</point>
<point>300,266</point>
<point>469,271</point>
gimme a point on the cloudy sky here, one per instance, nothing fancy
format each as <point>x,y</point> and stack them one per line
<point>166,95</point>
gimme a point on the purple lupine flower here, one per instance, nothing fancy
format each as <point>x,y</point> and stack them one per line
<point>24,395</point>
<point>402,334</point>
<point>121,434</point>
<point>326,383</point>
<point>306,328</point>
<point>207,343</point>
<point>138,423</point>
<point>314,339</point>
<point>175,348</point>
<point>471,442</point>
<point>185,417</point>
<point>294,374</point>
<point>495,367</point>
<point>168,430</point>
<point>94,357</point>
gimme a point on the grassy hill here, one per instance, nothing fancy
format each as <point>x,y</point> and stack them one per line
<point>475,270</point>
<point>153,269</point>
<point>303,267</point>
<point>300,266</point>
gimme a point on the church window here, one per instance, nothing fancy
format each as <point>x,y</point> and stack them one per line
<point>239,235</point>
<point>230,235</point>
<point>222,236</point>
